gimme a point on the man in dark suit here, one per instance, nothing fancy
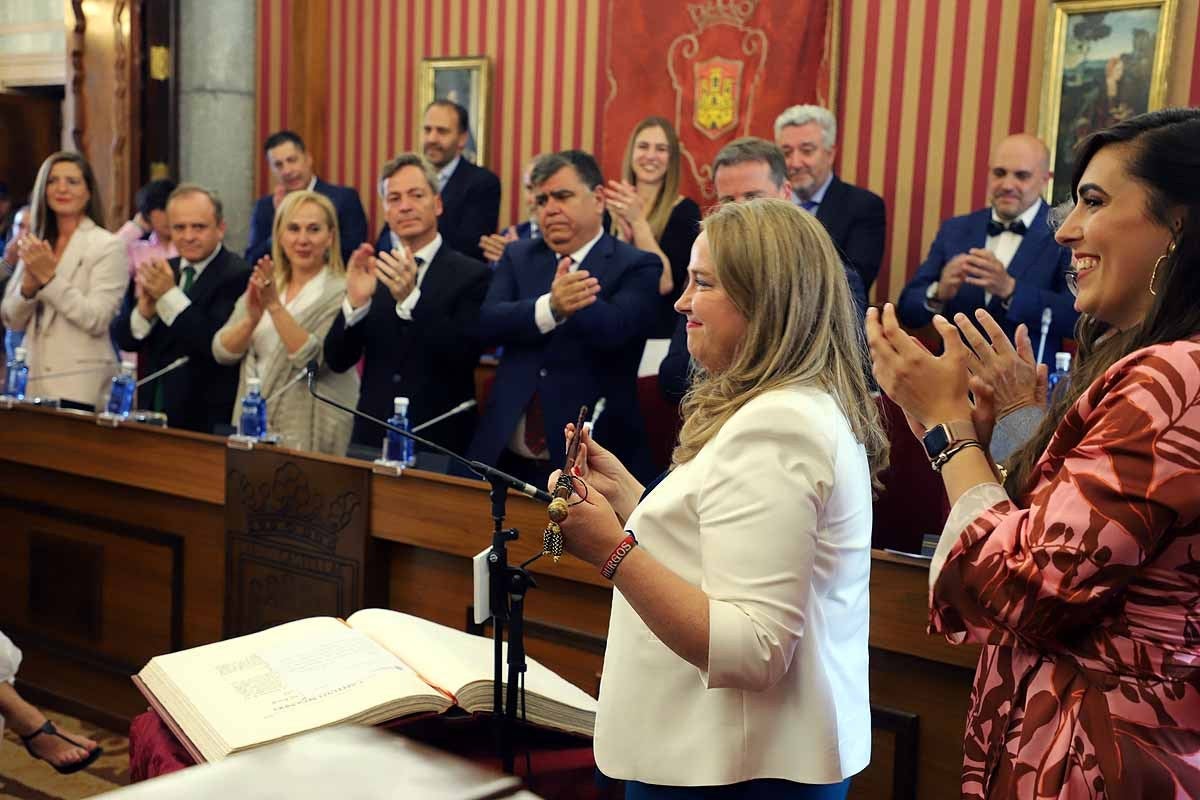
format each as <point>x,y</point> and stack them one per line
<point>470,193</point>
<point>572,310</point>
<point>292,166</point>
<point>854,217</point>
<point>413,311</point>
<point>1002,258</point>
<point>174,308</point>
<point>743,170</point>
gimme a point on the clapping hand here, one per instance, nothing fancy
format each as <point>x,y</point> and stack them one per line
<point>361,279</point>
<point>983,269</point>
<point>264,279</point>
<point>931,389</point>
<point>493,244</point>
<point>626,205</point>
<point>398,271</point>
<point>40,263</point>
<point>571,291</point>
<point>156,278</point>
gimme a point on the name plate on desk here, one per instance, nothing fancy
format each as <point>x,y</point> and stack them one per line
<point>297,543</point>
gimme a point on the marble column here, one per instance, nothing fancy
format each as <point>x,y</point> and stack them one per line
<point>217,138</point>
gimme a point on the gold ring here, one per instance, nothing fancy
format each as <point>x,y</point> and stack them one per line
<point>267,282</point>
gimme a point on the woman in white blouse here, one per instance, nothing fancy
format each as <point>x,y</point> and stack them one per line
<point>68,285</point>
<point>737,648</point>
<point>279,325</point>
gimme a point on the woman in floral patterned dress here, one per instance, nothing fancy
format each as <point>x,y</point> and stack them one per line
<point>1082,580</point>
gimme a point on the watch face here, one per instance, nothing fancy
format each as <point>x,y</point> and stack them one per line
<point>936,440</point>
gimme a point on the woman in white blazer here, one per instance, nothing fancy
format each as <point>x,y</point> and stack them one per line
<point>737,648</point>
<point>279,325</point>
<point>68,286</point>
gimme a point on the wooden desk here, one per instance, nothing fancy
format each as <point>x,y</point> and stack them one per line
<point>112,550</point>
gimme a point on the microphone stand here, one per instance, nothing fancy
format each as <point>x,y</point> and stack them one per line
<point>507,583</point>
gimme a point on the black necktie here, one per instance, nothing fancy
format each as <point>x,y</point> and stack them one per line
<point>995,228</point>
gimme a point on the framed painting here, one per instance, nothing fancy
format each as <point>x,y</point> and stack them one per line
<point>1106,61</point>
<point>463,81</point>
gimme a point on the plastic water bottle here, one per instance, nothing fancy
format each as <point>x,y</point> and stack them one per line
<point>1060,375</point>
<point>120,397</point>
<point>253,422</point>
<point>396,447</point>
<point>18,375</point>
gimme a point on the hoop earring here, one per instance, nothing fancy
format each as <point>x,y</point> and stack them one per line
<point>1162,258</point>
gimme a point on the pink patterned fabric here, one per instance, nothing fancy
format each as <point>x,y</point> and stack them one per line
<point>1088,600</point>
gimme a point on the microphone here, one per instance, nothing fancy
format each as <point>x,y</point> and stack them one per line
<point>458,409</point>
<point>478,467</point>
<point>1047,316</point>
<point>153,376</point>
<point>299,376</point>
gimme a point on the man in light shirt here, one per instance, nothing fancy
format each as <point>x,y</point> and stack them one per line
<point>1002,258</point>
<point>412,312</point>
<point>175,307</point>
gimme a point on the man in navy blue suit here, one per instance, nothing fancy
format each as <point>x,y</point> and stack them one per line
<point>1002,258</point>
<point>854,217</point>
<point>412,309</point>
<point>292,166</point>
<point>572,311</point>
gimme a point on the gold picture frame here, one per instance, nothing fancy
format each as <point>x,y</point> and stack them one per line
<point>1106,60</point>
<point>464,80</point>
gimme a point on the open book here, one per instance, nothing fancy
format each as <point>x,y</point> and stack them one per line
<point>378,665</point>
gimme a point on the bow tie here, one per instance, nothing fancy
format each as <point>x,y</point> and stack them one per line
<point>995,228</point>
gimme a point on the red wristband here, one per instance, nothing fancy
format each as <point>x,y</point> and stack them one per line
<point>618,555</point>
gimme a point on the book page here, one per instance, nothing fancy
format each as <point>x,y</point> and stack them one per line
<point>290,678</point>
<point>453,659</point>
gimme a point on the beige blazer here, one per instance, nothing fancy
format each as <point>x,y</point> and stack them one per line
<point>772,520</point>
<point>66,323</point>
<point>293,413</point>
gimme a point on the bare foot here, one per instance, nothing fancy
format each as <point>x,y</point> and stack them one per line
<point>56,751</point>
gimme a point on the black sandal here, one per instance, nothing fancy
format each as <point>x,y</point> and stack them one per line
<point>64,769</point>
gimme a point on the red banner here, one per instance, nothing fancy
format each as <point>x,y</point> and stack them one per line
<point>719,69</point>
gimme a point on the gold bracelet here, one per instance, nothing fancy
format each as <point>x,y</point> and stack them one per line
<point>954,450</point>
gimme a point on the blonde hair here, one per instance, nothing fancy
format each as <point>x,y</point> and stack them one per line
<point>779,268</point>
<point>287,209</point>
<point>668,192</point>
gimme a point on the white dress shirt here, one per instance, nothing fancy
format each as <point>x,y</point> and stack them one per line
<point>173,301</point>
<point>772,520</point>
<point>404,308</point>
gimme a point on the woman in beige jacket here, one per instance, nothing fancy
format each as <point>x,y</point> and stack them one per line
<point>279,325</point>
<point>68,285</point>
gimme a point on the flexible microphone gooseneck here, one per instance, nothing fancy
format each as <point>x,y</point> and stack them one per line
<point>1047,316</point>
<point>153,376</point>
<point>478,467</point>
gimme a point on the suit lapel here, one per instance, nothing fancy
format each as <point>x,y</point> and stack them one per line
<point>1032,244</point>
<point>68,265</point>
<point>207,280</point>
<point>830,206</point>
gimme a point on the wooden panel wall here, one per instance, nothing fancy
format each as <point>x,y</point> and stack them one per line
<point>927,87</point>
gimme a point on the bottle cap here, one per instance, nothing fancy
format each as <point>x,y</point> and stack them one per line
<point>253,383</point>
<point>128,366</point>
<point>19,353</point>
<point>400,404</point>
<point>1062,361</point>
